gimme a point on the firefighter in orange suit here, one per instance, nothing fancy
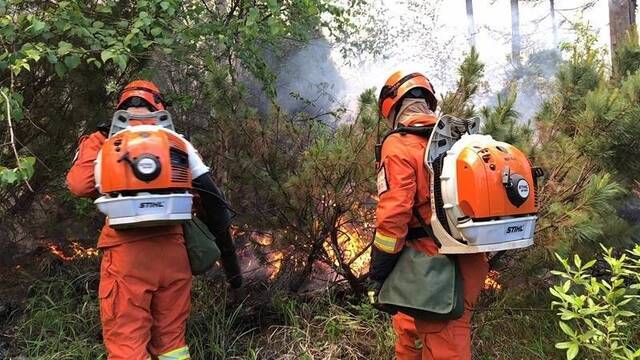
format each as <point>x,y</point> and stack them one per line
<point>145,276</point>
<point>408,100</point>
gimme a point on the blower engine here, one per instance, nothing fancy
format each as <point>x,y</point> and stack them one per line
<point>143,173</point>
<point>483,192</point>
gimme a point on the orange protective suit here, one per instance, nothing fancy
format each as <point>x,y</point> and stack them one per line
<point>145,278</point>
<point>403,182</point>
<point>408,342</point>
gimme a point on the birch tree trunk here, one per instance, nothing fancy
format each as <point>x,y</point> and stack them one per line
<point>471,26</point>
<point>552,9</point>
<point>516,45</point>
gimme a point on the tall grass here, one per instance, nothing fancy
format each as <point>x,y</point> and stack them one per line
<point>62,318</point>
<point>61,321</point>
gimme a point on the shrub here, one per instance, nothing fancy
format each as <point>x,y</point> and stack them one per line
<point>598,312</point>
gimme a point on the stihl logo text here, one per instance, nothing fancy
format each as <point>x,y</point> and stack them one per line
<point>149,205</point>
<point>514,229</point>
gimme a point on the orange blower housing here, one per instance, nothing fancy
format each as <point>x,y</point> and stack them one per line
<point>143,173</point>
<point>483,191</point>
<point>145,158</point>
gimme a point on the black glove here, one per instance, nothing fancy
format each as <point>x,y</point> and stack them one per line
<point>382,264</point>
<point>104,129</point>
<point>373,289</point>
<point>229,259</point>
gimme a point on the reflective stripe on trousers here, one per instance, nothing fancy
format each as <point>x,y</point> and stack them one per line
<point>176,354</point>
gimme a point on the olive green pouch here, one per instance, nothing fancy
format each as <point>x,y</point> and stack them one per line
<point>425,287</point>
<point>201,246</point>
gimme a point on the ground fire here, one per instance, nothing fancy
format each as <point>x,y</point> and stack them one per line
<point>491,282</point>
<point>77,251</point>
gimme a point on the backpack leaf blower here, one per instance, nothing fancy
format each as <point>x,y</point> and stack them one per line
<point>483,191</point>
<point>143,173</point>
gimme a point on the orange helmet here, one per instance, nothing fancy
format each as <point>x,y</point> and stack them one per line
<point>400,85</point>
<point>140,93</point>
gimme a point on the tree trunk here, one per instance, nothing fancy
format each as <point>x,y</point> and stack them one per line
<point>621,19</point>
<point>301,278</point>
<point>552,9</point>
<point>343,268</point>
<point>471,26</point>
<point>516,45</point>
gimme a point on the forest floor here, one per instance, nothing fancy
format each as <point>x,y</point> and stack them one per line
<point>49,310</point>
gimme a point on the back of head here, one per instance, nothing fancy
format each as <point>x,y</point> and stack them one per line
<point>400,86</point>
<point>141,93</point>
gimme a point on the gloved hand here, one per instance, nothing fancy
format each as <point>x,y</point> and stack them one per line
<point>373,289</point>
<point>103,129</point>
<point>229,259</point>
<point>232,269</point>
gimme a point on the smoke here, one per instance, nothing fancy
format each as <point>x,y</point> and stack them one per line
<point>311,81</point>
<point>406,35</point>
<point>430,37</point>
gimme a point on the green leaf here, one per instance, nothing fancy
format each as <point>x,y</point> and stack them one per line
<point>273,5</point>
<point>105,55</point>
<point>98,24</point>
<point>33,54</point>
<point>589,264</point>
<point>52,58</point>
<point>37,26</point>
<point>105,9</point>
<point>252,18</point>
<point>72,61</point>
<point>121,60</point>
<point>573,350</point>
<point>566,329</point>
<point>27,167</point>
<point>8,176</point>
<point>60,69</point>
<point>156,31</point>
<point>64,48</point>
<point>626,313</point>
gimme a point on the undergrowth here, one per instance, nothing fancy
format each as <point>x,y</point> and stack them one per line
<point>61,321</point>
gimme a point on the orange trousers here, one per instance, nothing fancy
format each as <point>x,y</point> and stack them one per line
<point>443,340</point>
<point>145,299</point>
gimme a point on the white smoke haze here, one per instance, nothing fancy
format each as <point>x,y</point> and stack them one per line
<point>432,37</point>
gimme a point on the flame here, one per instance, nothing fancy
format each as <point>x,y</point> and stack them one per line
<point>351,246</point>
<point>78,252</point>
<point>262,239</point>
<point>275,263</point>
<point>491,282</point>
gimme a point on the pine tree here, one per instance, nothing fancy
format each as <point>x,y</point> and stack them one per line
<point>501,122</point>
<point>457,103</point>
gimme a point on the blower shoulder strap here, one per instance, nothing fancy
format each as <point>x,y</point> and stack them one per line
<point>427,228</point>
<point>422,131</point>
